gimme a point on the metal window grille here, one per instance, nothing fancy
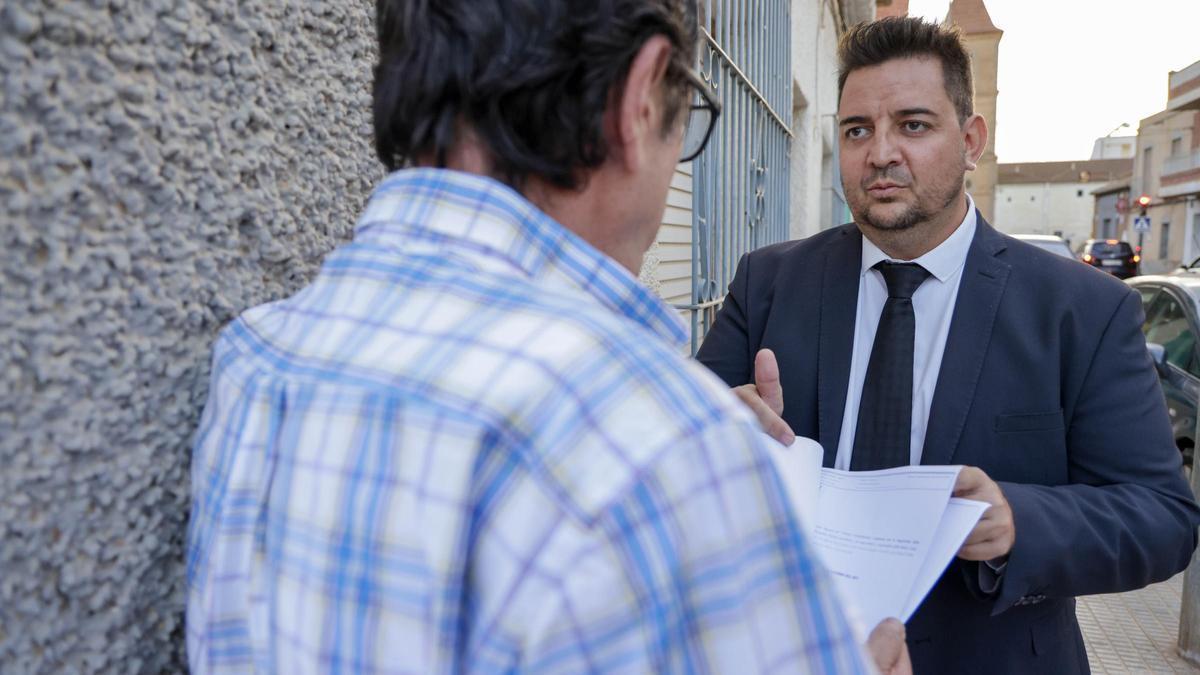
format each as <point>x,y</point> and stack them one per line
<point>740,182</point>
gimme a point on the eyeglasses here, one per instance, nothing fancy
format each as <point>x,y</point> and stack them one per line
<point>703,112</point>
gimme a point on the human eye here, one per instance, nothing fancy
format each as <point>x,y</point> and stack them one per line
<point>915,126</point>
<point>857,132</point>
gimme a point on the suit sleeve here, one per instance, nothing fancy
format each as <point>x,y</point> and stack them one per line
<point>1127,518</point>
<point>726,349</point>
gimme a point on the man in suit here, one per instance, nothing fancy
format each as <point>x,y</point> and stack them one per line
<point>918,334</point>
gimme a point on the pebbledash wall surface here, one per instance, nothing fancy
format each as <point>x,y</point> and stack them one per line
<point>164,164</point>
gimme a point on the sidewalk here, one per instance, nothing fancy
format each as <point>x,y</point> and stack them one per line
<point>1134,632</point>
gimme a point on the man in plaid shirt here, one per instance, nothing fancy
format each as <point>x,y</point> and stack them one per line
<point>472,443</point>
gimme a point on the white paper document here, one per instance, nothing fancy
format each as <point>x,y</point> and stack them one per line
<point>958,520</point>
<point>885,536</point>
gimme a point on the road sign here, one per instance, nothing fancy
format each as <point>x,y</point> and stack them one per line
<point>1141,224</point>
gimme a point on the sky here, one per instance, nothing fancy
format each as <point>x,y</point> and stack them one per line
<point>1071,71</point>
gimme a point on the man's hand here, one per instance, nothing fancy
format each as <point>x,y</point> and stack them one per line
<point>765,397</point>
<point>888,650</point>
<point>995,533</point>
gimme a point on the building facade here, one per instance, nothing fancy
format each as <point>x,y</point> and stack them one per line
<point>1114,147</point>
<point>1112,202</point>
<point>982,38</point>
<point>1053,197</point>
<point>1167,170</point>
<point>770,172</point>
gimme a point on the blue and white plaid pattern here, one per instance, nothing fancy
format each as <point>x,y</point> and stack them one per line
<point>472,445</point>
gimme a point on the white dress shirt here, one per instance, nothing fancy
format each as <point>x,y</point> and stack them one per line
<point>933,305</point>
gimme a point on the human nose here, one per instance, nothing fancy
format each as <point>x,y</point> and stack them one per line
<point>884,151</point>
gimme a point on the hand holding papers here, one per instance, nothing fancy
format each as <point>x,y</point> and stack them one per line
<point>886,536</point>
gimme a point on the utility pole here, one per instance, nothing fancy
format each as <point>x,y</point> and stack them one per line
<point>1143,202</point>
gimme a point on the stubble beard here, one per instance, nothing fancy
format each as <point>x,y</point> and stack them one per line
<point>909,218</point>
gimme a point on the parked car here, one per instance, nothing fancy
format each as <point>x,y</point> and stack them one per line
<point>1049,242</point>
<point>1172,306</point>
<point>1115,257</point>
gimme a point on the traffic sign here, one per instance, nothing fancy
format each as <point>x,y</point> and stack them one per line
<point>1141,224</point>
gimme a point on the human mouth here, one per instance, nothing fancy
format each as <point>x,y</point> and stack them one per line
<point>884,190</point>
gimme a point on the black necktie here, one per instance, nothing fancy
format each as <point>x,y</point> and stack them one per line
<point>884,432</point>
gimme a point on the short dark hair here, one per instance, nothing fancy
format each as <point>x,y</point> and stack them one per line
<point>531,79</point>
<point>898,37</point>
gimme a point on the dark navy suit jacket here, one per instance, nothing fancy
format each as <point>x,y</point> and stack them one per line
<point>1045,384</point>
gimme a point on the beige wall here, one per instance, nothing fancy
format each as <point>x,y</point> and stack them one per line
<point>668,264</point>
<point>1158,135</point>
<point>1173,214</point>
<point>814,108</point>
<point>1046,208</point>
<point>985,52</point>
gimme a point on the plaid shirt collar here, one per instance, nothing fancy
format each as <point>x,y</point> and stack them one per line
<point>491,219</point>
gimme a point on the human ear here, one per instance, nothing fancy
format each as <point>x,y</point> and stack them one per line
<point>975,137</point>
<point>639,106</point>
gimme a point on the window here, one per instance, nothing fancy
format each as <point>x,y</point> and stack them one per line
<point>1167,325</point>
<point>1114,250</point>
<point>1176,146</point>
<point>1148,293</point>
<point>1147,158</point>
<point>740,197</point>
<point>1163,241</point>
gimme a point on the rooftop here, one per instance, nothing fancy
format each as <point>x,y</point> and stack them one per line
<point>1078,171</point>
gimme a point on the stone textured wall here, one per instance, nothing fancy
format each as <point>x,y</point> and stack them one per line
<point>164,164</point>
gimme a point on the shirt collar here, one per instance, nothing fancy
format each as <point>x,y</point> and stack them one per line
<point>943,261</point>
<point>491,218</point>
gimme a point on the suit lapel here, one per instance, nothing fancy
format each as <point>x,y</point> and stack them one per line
<point>983,281</point>
<point>839,302</point>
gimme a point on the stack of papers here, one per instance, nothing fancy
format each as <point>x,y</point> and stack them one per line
<point>886,536</point>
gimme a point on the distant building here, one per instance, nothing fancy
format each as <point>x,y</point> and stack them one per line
<point>1053,197</point>
<point>982,38</point>
<point>1112,207</point>
<point>1167,169</point>
<point>1114,147</point>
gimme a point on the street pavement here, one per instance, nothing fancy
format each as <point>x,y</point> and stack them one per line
<point>1134,632</point>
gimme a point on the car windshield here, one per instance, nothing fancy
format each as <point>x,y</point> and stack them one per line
<point>1104,248</point>
<point>1057,247</point>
